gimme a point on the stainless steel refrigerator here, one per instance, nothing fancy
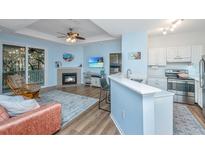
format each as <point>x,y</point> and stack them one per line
<point>202,80</point>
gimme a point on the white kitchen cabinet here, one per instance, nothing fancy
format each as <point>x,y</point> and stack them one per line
<point>163,113</point>
<point>184,53</point>
<point>179,54</point>
<point>160,83</point>
<point>157,56</point>
<point>152,56</point>
<point>198,94</point>
<point>171,54</point>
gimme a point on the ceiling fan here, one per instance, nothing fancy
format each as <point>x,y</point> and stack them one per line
<point>71,36</point>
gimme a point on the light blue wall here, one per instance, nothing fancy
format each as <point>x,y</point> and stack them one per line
<point>101,49</point>
<point>132,42</point>
<point>54,50</point>
<point>127,102</point>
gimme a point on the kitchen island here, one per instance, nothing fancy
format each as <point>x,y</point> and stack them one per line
<point>138,109</point>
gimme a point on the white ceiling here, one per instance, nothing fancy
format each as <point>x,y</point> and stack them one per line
<point>187,26</point>
<point>96,29</point>
<point>151,26</point>
<point>48,29</point>
<point>117,27</point>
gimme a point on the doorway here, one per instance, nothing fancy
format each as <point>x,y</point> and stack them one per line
<point>115,63</point>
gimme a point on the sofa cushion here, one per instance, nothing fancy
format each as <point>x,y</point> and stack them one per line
<point>3,114</point>
<point>16,107</point>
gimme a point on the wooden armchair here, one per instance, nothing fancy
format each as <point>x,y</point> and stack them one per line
<point>19,87</point>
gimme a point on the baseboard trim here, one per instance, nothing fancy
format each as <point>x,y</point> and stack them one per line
<point>117,125</point>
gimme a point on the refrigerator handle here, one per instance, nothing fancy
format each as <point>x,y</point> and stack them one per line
<point>201,81</point>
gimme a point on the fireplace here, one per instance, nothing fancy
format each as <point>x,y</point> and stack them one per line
<point>69,78</point>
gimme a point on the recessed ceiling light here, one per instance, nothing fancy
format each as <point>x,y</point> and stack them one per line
<point>171,20</point>
<point>161,29</point>
<point>179,22</point>
<point>174,25</point>
<point>171,29</point>
<point>164,32</point>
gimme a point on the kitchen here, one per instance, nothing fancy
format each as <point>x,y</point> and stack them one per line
<point>173,67</point>
<point>156,113</point>
<point>171,56</point>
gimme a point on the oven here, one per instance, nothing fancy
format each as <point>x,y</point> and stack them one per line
<point>184,90</point>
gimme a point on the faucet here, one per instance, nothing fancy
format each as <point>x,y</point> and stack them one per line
<point>128,73</point>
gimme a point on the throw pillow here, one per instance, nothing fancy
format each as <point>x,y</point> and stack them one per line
<point>3,114</point>
<point>11,98</point>
<point>15,108</point>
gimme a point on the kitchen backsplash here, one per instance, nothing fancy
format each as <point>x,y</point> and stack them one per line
<point>157,71</point>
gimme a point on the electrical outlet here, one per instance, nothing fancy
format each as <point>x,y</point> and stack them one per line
<point>123,114</point>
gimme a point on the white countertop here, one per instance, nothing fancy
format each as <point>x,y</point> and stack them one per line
<point>133,85</point>
<point>195,77</point>
<point>163,93</point>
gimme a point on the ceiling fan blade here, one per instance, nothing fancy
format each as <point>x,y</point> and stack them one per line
<point>80,38</point>
<point>61,33</point>
<point>61,36</point>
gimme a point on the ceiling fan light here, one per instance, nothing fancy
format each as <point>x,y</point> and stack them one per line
<point>68,39</point>
<point>73,40</point>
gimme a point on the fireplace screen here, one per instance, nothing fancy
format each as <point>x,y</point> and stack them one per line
<point>69,78</point>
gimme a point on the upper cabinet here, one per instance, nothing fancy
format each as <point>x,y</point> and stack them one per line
<point>179,54</point>
<point>171,54</point>
<point>157,56</point>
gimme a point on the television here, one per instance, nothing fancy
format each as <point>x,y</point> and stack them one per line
<point>96,62</point>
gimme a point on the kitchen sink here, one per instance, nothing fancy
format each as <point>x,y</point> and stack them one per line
<point>137,80</point>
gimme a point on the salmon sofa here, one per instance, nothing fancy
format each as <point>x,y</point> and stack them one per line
<point>45,120</point>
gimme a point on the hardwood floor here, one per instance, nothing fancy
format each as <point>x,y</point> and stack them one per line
<point>97,122</point>
<point>91,122</point>
<point>197,112</point>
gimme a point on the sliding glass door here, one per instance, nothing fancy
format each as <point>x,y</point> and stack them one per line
<point>14,62</point>
<point>27,62</point>
<point>36,64</point>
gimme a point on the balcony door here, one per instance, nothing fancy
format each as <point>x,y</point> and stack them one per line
<point>27,62</point>
<point>36,66</point>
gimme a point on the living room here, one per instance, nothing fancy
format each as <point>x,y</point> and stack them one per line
<point>45,64</point>
<point>91,76</point>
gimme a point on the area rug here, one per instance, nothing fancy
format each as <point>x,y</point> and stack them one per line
<point>72,105</point>
<point>185,123</point>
